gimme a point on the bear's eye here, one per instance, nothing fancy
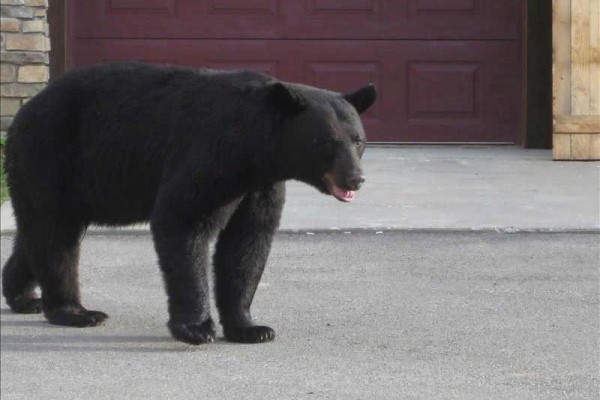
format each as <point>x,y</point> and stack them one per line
<point>358,143</point>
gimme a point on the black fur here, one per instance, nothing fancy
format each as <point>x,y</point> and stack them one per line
<point>196,153</point>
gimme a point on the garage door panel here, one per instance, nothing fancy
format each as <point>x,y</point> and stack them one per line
<point>243,7</point>
<point>346,76</point>
<point>297,19</point>
<point>443,6</point>
<point>264,66</point>
<point>468,19</point>
<point>456,85</point>
<point>428,91</point>
<point>139,7</point>
<point>344,6</point>
<point>477,86</point>
<point>184,19</point>
<point>407,19</point>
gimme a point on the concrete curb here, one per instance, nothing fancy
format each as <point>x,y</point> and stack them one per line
<point>361,231</point>
<point>8,228</point>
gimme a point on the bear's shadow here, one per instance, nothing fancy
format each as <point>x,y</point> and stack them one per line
<point>34,342</point>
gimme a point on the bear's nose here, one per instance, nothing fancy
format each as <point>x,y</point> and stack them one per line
<point>356,182</point>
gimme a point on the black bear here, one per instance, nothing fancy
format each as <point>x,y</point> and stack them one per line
<point>198,153</point>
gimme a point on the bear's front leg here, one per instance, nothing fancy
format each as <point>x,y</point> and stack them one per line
<point>183,257</point>
<point>241,254</point>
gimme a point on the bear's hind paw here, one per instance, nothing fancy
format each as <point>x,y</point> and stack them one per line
<point>25,305</point>
<point>75,316</point>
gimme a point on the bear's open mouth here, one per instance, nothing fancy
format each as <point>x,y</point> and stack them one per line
<point>336,191</point>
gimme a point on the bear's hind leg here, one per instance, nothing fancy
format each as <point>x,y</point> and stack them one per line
<point>239,261</point>
<point>18,282</point>
<point>54,256</point>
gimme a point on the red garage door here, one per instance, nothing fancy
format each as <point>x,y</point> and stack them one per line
<point>447,70</point>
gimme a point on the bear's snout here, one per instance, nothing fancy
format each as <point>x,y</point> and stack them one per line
<point>343,188</point>
<point>355,182</point>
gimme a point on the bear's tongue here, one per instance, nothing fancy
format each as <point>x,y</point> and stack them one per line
<point>341,194</point>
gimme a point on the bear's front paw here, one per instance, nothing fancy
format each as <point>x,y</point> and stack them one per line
<point>250,334</point>
<point>193,332</point>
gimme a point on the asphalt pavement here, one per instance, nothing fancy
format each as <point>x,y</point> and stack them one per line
<point>363,315</point>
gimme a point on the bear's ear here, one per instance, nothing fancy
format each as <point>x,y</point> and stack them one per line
<point>363,98</point>
<point>287,98</point>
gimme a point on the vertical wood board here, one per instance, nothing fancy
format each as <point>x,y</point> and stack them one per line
<point>580,146</point>
<point>561,53</point>
<point>595,147</point>
<point>561,149</point>
<point>580,57</point>
<point>595,57</point>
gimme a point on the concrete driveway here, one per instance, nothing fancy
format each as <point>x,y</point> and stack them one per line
<point>358,316</point>
<point>502,188</point>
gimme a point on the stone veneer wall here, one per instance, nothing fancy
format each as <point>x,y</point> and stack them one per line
<point>24,54</point>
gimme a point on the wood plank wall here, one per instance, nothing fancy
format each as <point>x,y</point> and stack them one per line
<point>576,79</point>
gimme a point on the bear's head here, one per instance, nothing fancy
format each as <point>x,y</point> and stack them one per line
<point>321,137</point>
